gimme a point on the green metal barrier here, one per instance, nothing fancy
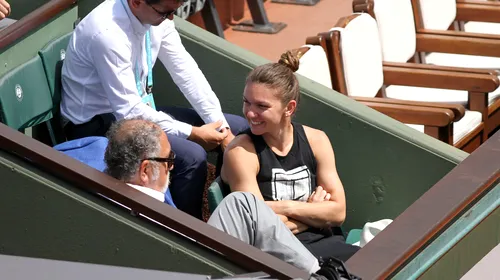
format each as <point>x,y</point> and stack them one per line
<point>45,217</point>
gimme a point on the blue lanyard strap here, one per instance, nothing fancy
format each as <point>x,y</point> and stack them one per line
<point>149,87</point>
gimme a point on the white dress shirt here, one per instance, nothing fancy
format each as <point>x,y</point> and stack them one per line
<point>153,193</point>
<point>98,74</point>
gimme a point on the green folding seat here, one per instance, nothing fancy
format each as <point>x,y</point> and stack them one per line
<point>53,55</point>
<point>25,98</point>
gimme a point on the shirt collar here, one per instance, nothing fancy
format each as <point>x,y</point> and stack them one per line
<point>153,193</point>
<point>137,26</point>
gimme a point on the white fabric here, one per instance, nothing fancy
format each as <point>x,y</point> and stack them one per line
<point>362,56</point>
<point>427,94</point>
<point>482,27</point>
<point>435,94</point>
<point>438,14</point>
<point>314,65</point>
<point>6,22</point>
<point>98,73</point>
<point>370,230</point>
<point>462,60</point>
<point>396,27</point>
<point>461,128</point>
<point>153,193</point>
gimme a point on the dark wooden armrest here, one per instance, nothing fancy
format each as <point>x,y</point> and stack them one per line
<point>444,68</point>
<point>457,109</point>
<point>408,76</point>
<point>458,42</point>
<point>484,11</point>
<point>314,40</point>
<point>427,116</point>
<point>363,6</point>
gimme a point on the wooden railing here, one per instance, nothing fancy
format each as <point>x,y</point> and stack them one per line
<point>33,20</point>
<point>92,180</point>
<point>431,214</point>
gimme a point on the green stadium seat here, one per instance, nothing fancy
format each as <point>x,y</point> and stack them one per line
<point>353,236</point>
<point>52,56</point>
<point>216,193</point>
<point>25,98</point>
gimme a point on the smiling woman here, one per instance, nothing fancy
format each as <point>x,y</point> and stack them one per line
<point>289,165</point>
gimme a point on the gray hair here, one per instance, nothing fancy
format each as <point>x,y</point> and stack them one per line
<point>129,142</point>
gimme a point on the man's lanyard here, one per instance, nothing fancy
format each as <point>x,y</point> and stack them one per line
<point>147,98</point>
<point>149,87</point>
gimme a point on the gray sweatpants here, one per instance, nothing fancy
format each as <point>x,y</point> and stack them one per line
<point>249,219</point>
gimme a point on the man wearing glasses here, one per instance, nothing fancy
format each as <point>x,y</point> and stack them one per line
<point>107,76</point>
<point>139,154</point>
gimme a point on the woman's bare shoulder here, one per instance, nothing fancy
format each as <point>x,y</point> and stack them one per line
<point>243,141</point>
<point>315,136</point>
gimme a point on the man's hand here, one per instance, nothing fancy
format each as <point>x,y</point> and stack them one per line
<point>228,139</point>
<point>319,195</point>
<point>4,9</point>
<point>207,135</point>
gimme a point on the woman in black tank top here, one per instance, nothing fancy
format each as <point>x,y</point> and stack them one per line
<point>290,166</point>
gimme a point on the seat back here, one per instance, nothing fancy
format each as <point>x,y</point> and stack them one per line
<point>25,98</point>
<point>216,193</point>
<point>53,55</point>
<point>314,65</point>
<point>396,26</point>
<point>360,55</point>
<point>437,14</point>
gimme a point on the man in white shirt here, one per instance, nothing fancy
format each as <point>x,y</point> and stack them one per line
<point>139,154</point>
<point>107,76</point>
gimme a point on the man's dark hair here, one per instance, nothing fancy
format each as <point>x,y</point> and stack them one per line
<point>158,1</point>
<point>129,142</point>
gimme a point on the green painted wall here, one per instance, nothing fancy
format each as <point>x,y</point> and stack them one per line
<point>461,244</point>
<point>468,251</point>
<point>46,218</point>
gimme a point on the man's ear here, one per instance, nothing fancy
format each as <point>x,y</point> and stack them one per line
<point>290,108</point>
<point>135,3</point>
<point>144,169</point>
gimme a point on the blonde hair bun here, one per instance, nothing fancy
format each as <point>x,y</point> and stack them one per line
<point>291,59</point>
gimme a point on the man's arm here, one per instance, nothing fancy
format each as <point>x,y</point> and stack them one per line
<point>111,59</point>
<point>319,214</point>
<point>188,77</point>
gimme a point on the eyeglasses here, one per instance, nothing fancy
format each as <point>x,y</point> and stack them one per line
<point>163,15</point>
<point>169,160</point>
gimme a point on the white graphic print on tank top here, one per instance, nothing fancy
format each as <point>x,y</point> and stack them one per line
<point>293,184</point>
